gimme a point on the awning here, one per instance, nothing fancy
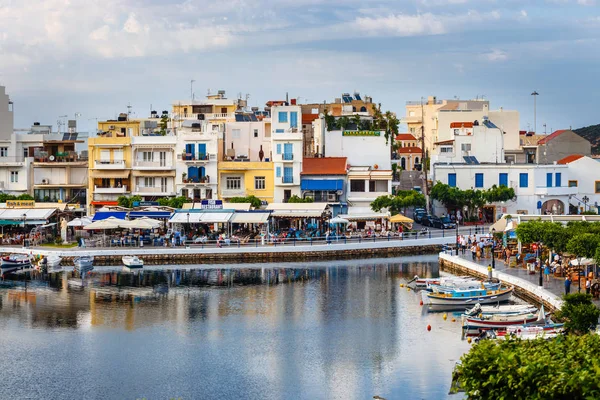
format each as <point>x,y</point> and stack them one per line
<point>297,214</point>
<point>31,214</point>
<point>105,203</point>
<point>136,172</point>
<point>150,214</point>
<point>110,174</point>
<point>215,217</point>
<point>250,217</point>
<point>183,218</point>
<point>5,222</point>
<point>363,217</point>
<point>322,184</point>
<point>297,210</point>
<point>99,216</point>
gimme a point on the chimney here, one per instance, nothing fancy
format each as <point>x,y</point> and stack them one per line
<point>293,102</point>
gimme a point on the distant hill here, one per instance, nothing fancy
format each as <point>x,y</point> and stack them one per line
<point>591,133</point>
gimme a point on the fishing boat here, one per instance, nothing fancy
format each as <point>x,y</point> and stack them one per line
<point>133,262</point>
<point>463,285</point>
<point>15,262</point>
<point>417,283</point>
<point>503,320</point>
<point>500,309</point>
<point>49,262</point>
<point>84,264</point>
<point>458,299</point>
<point>524,332</point>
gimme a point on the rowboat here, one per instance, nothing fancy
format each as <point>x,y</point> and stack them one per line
<point>501,309</point>
<point>133,262</point>
<point>463,285</point>
<point>49,262</point>
<point>14,262</point>
<point>84,264</point>
<point>458,299</point>
<point>421,283</point>
<point>503,320</point>
<point>524,332</point>
<point>418,283</point>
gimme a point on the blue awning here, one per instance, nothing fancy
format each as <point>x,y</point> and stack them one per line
<point>106,214</point>
<point>322,184</point>
<point>149,214</point>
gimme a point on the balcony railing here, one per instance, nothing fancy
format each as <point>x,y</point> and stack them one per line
<point>60,157</point>
<point>154,189</point>
<point>287,156</point>
<point>287,179</point>
<point>555,191</point>
<point>11,159</point>
<point>153,164</point>
<point>195,157</point>
<point>201,179</point>
<point>108,164</point>
<point>110,189</point>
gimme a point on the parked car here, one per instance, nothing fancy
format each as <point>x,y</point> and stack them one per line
<point>418,217</point>
<point>443,223</point>
<point>427,220</point>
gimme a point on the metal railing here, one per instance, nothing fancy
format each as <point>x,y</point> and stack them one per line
<point>287,179</point>
<point>287,156</point>
<point>110,162</point>
<point>195,156</point>
<point>11,159</point>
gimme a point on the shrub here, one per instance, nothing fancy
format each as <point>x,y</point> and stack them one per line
<point>578,313</point>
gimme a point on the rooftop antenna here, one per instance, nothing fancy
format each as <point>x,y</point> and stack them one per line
<point>287,98</point>
<point>128,110</point>
<point>192,90</point>
<point>60,122</point>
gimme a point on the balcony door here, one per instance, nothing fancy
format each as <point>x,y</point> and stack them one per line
<point>162,156</point>
<point>163,185</point>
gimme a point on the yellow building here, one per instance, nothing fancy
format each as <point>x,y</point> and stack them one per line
<point>215,107</point>
<point>110,162</point>
<point>239,179</point>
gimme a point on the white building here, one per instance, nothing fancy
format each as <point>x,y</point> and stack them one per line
<point>197,157</point>
<point>248,138</point>
<point>286,143</point>
<point>153,165</point>
<point>538,188</point>
<point>584,177</point>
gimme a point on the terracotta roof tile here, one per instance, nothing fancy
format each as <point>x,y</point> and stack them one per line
<point>552,136</point>
<point>309,118</point>
<point>324,166</point>
<point>570,159</point>
<point>410,150</point>
<point>405,136</point>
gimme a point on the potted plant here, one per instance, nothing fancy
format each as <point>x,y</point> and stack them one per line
<point>184,177</point>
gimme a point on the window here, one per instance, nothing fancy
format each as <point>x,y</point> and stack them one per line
<point>148,155</point>
<point>288,175</point>
<point>294,119</point>
<point>234,183</point>
<point>256,133</point>
<point>465,146</point>
<point>371,186</point>
<point>549,179</point>
<point>3,151</point>
<point>363,109</point>
<point>452,180</point>
<point>279,131</point>
<point>503,179</point>
<point>259,183</point>
<point>236,133</point>
<point>479,180</point>
<point>558,179</point>
<point>288,151</point>
<point>283,117</point>
<point>130,130</point>
<point>411,113</point>
<point>25,152</point>
<point>278,148</point>
<point>357,186</point>
<point>523,180</point>
<point>412,130</point>
<point>572,183</point>
<point>597,187</point>
<point>149,181</point>
<point>446,149</point>
<point>278,172</point>
<point>14,176</point>
<point>118,155</point>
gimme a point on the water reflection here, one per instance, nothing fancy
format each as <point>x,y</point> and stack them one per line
<point>334,329</point>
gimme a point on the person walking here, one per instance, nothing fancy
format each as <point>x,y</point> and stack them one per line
<point>547,272</point>
<point>567,285</point>
<point>473,251</point>
<point>588,286</point>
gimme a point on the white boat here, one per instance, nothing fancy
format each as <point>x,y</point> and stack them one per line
<point>84,264</point>
<point>458,299</point>
<point>133,262</point>
<point>15,262</point>
<point>503,320</point>
<point>417,283</point>
<point>547,331</point>
<point>501,309</point>
<point>463,285</point>
<point>49,262</point>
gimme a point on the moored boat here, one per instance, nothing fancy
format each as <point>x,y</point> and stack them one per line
<point>524,332</point>
<point>49,262</point>
<point>84,264</point>
<point>503,320</point>
<point>417,283</point>
<point>501,309</point>
<point>14,262</point>
<point>133,262</point>
<point>463,285</point>
<point>458,299</point>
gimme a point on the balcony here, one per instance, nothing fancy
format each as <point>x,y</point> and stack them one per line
<point>287,157</point>
<point>110,190</point>
<point>154,191</point>
<point>233,192</point>
<point>555,191</point>
<point>66,157</point>
<point>108,164</point>
<point>412,120</point>
<point>203,180</point>
<point>287,180</point>
<point>149,165</point>
<point>197,157</point>
<point>12,161</point>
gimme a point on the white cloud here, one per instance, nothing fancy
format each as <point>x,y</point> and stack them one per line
<point>496,55</point>
<point>586,2</point>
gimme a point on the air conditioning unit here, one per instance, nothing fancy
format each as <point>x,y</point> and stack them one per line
<point>331,197</point>
<point>45,182</point>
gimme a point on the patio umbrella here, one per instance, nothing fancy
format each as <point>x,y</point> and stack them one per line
<point>108,223</point>
<point>85,221</point>
<point>400,219</point>
<point>584,261</point>
<point>338,220</point>
<point>499,226</point>
<point>142,223</point>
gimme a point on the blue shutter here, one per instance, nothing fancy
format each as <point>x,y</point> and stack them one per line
<point>202,172</point>
<point>278,172</point>
<point>452,180</point>
<point>503,179</point>
<point>279,131</point>
<point>293,119</point>
<point>201,150</point>
<point>288,151</point>
<point>549,179</point>
<point>278,148</point>
<point>478,180</point>
<point>288,175</point>
<point>283,116</point>
<point>193,174</point>
<point>523,180</point>
<point>557,179</point>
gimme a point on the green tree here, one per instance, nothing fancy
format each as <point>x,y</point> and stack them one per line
<point>530,232</point>
<point>343,122</point>
<point>578,313</point>
<point>562,368</point>
<point>356,121</point>
<point>398,202</point>
<point>163,123</point>
<point>255,201</point>
<point>127,202</point>
<point>297,199</point>
<point>499,193</point>
<point>583,245</point>
<point>329,121</point>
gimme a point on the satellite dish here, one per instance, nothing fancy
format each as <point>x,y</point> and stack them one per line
<point>51,158</point>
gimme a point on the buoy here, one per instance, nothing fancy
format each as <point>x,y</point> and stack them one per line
<point>445,316</point>
<point>453,319</point>
<point>469,340</point>
<point>408,289</point>
<point>421,303</point>
<point>428,327</point>
<point>402,285</point>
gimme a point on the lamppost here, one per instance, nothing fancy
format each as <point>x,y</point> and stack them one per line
<point>585,200</point>
<point>535,95</point>
<point>456,224</point>
<point>493,247</point>
<point>539,252</point>
<point>188,224</point>
<point>24,218</point>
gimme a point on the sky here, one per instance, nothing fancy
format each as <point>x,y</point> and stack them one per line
<point>61,57</point>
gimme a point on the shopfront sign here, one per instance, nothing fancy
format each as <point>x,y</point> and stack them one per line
<point>361,133</point>
<point>211,204</point>
<point>20,203</point>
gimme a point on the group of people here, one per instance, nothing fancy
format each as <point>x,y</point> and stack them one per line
<point>476,247</point>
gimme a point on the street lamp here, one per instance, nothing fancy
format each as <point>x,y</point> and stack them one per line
<point>539,256</point>
<point>585,200</point>
<point>24,217</point>
<point>456,224</point>
<point>493,247</point>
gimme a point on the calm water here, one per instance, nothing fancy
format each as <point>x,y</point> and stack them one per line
<point>334,330</point>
